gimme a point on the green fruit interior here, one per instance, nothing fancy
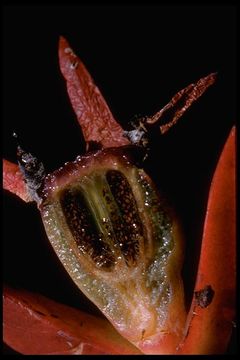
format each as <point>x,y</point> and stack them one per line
<point>113,234</point>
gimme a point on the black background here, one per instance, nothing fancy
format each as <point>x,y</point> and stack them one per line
<point>139,56</point>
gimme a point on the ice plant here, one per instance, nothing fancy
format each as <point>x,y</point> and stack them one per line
<point>118,238</point>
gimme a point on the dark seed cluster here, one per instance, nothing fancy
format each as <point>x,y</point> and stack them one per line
<point>127,224</point>
<point>121,232</point>
<point>84,229</point>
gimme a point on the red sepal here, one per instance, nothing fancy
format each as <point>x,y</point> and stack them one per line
<point>209,328</point>
<point>93,114</point>
<point>33,324</point>
<point>13,180</point>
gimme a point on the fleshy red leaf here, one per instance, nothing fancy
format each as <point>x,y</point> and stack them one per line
<point>33,324</point>
<point>95,118</point>
<point>13,180</point>
<point>210,324</point>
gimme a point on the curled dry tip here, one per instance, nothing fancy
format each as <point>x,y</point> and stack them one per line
<point>212,76</point>
<point>171,113</point>
<point>32,170</point>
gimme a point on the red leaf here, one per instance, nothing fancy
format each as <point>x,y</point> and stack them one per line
<point>33,324</point>
<point>95,118</point>
<point>209,328</point>
<point>13,180</point>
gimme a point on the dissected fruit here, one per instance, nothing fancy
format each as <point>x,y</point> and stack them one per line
<point>118,240</point>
